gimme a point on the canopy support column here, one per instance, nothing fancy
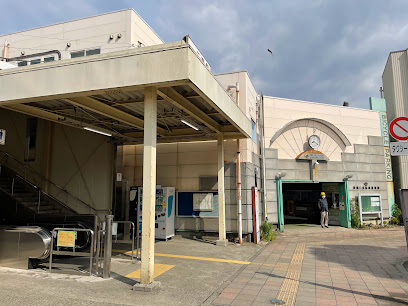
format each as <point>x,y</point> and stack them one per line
<point>149,191</point>
<point>221,192</point>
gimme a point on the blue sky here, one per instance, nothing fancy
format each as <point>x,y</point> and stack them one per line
<point>323,50</point>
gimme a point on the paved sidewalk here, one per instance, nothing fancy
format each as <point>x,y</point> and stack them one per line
<point>317,266</point>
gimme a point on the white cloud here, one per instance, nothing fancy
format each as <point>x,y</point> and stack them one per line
<point>324,51</point>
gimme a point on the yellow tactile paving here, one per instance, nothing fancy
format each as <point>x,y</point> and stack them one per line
<point>289,288</point>
<point>158,270</point>
<point>204,258</point>
<point>192,257</point>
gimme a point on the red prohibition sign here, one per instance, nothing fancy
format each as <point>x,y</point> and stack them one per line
<point>399,128</point>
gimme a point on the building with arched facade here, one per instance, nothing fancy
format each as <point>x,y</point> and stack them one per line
<point>314,147</point>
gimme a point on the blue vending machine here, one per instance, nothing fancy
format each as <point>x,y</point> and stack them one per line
<point>164,212</point>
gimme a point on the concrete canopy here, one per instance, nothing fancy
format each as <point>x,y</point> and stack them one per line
<point>106,92</point>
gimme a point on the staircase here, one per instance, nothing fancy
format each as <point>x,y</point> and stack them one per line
<point>29,195</point>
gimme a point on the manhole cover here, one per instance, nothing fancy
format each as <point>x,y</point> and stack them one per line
<point>277,302</point>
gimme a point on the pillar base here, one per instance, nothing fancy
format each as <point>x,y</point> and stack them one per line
<point>153,286</point>
<point>222,243</point>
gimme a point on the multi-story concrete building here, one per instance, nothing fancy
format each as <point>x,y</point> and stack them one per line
<point>395,78</point>
<point>94,73</point>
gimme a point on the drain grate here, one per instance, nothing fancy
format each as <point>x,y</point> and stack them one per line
<point>277,302</point>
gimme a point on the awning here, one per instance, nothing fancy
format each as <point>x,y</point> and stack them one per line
<point>106,92</point>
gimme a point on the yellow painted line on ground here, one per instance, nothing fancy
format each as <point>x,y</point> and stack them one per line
<point>192,257</point>
<point>204,258</point>
<point>290,285</point>
<point>158,270</point>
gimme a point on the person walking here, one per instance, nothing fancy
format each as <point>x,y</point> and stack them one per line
<point>324,210</point>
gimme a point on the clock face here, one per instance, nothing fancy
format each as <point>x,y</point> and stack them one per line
<point>314,141</point>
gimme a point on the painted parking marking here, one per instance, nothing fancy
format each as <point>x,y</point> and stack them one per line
<point>158,270</point>
<point>192,257</point>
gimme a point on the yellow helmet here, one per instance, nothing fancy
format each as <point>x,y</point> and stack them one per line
<point>322,194</point>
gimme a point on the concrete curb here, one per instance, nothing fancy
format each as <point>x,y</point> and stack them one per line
<point>216,293</point>
<point>400,266</point>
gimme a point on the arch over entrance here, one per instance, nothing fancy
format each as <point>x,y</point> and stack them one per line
<point>317,123</point>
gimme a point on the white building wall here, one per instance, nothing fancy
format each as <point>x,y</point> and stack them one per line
<point>82,34</point>
<point>247,103</point>
<point>355,123</point>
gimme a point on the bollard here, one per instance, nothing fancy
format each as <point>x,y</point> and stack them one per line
<point>108,247</point>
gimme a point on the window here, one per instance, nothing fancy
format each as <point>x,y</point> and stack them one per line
<point>31,139</point>
<point>92,52</point>
<point>254,135</point>
<point>36,61</point>
<point>49,59</point>
<point>77,54</point>
<point>85,53</point>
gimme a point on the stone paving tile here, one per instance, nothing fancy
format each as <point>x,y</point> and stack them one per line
<point>241,303</point>
<point>228,295</point>
<point>344,270</point>
<point>222,301</point>
<point>245,297</point>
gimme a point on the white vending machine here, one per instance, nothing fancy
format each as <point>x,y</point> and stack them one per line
<point>164,211</point>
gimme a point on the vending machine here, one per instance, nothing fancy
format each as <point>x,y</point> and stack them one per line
<point>164,212</point>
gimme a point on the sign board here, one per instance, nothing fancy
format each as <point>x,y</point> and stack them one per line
<point>114,228</point>
<point>2,137</point>
<point>66,239</point>
<point>118,177</point>
<point>399,128</point>
<point>370,204</point>
<point>312,155</point>
<point>255,215</point>
<point>202,202</point>
<point>399,148</point>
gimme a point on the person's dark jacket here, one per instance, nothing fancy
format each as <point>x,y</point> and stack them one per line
<point>324,206</point>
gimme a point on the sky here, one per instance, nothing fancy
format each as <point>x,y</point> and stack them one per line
<point>326,51</point>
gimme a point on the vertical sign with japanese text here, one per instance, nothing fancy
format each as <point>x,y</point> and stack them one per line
<point>380,105</point>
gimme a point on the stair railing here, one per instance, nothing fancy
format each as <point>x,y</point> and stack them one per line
<point>21,170</point>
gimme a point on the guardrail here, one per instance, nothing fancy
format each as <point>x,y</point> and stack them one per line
<point>54,235</point>
<point>133,228</point>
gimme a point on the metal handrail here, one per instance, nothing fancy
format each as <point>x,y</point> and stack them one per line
<point>132,227</point>
<point>46,194</point>
<point>53,234</point>
<point>43,178</point>
<point>12,198</point>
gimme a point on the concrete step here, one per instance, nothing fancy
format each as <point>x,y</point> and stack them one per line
<point>47,212</point>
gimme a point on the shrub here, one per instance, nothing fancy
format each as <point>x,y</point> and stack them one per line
<point>394,221</point>
<point>396,214</point>
<point>355,214</point>
<point>268,233</point>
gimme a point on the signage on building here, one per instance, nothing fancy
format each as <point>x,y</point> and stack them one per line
<point>2,137</point>
<point>399,128</point>
<point>399,148</point>
<point>380,105</point>
<point>66,239</point>
<point>388,166</point>
<point>118,177</point>
<point>384,128</point>
<point>312,155</point>
<point>255,215</point>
